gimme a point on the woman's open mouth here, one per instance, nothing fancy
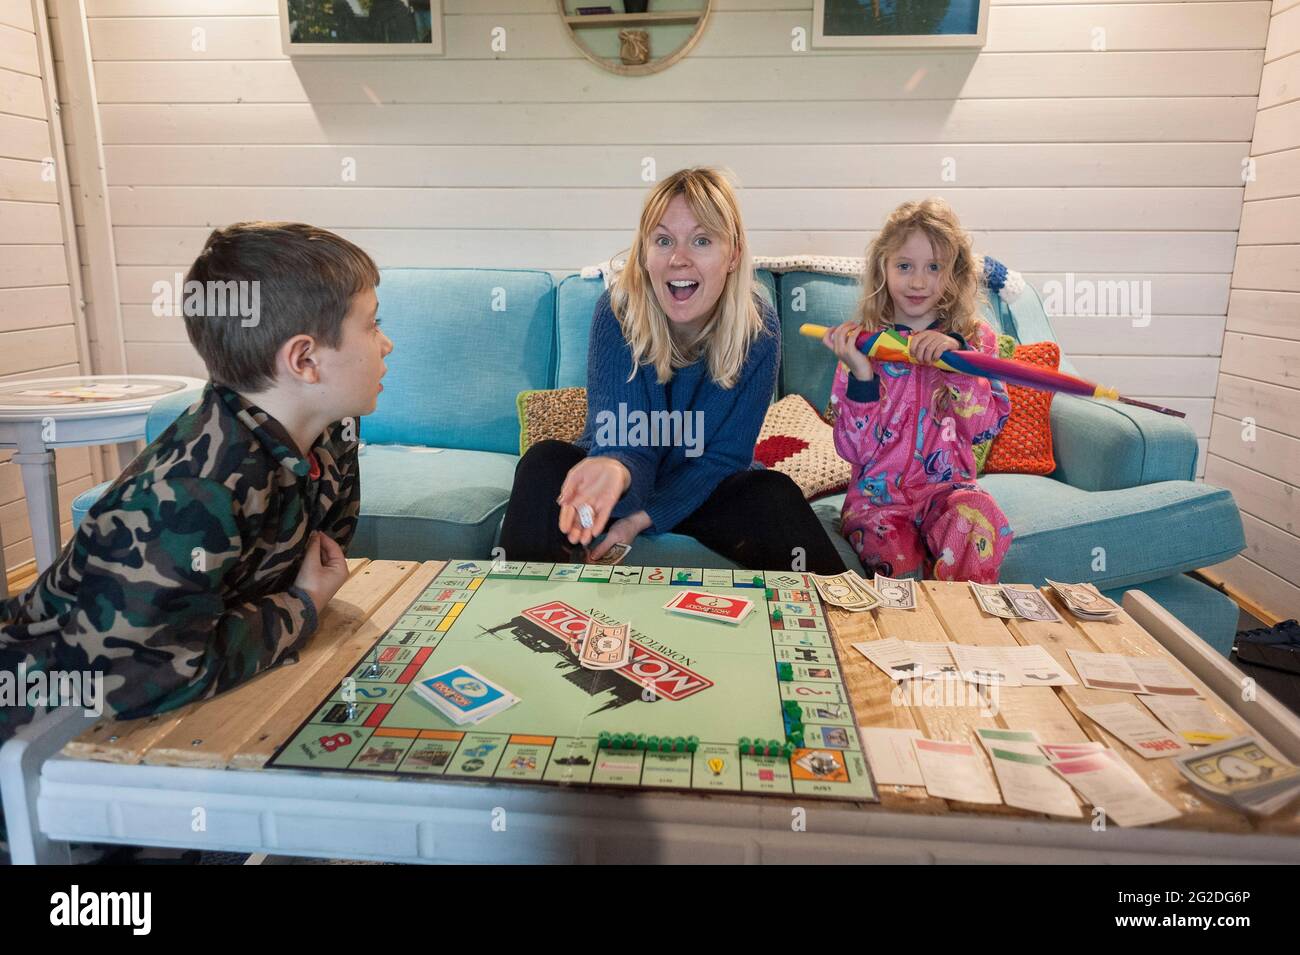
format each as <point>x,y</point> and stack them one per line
<point>682,289</point>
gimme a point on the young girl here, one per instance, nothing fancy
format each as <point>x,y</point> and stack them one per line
<point>908,428</point>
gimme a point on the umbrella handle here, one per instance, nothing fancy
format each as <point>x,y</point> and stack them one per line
<point>813,330</point>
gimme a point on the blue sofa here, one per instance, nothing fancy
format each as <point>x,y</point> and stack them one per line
<point>1122,508</point>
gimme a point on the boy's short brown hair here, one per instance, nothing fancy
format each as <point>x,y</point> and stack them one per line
<point>301,279</point>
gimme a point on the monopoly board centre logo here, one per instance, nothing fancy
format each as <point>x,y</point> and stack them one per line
<point>667,678</point>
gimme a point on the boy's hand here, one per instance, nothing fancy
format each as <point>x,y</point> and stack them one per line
<point>324,570</point>
<point>842,339</point>
<point>926,347</point>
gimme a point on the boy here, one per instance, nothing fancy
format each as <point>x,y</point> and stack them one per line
<point>210,557</point>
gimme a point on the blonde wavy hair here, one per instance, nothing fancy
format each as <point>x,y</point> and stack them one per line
<point>735,322</point>
<point>959,304</point>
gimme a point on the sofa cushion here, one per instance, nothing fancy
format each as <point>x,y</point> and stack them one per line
<point>429,504</point>
<point>416,503</point>
<point>797,442</point>
<point>1103,445</point>
<point>575,304</point>
<point>552,414</point>
<point>1211,615</point>
<point>1132,534</point>
<point>83,502</point>
<point>1024,445</point>
<point>466,341</point>
<point>1146,533</point>
<point>807,368</point>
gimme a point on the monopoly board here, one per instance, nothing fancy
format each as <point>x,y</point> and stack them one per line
<point>703,705</point>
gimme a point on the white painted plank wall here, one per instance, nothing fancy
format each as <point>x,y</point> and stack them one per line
<point>37,327</point>
<point>1122,164</point>
<point>1259,375</point>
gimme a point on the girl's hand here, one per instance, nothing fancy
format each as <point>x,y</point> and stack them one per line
<point>926,347</point>
<point>623,531</point>
<point>842,340</point>
<point>594,483</point>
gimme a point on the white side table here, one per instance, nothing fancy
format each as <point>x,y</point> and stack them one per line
<point>39,415</point>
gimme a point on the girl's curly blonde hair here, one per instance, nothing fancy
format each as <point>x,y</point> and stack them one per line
<point>959,304</point>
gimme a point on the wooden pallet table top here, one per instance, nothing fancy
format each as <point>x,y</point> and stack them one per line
<point>241,729</point>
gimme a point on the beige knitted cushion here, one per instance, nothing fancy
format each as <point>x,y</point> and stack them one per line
<point>559,413</point>
<point>796,441</point>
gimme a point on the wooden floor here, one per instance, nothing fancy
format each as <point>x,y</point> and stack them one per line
<point>241,729</point>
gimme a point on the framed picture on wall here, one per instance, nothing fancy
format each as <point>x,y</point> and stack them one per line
<point>361,27</point>
<point>900,23</point>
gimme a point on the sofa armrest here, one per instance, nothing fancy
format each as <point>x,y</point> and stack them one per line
<point>167,409</point>
<point>1106,445</point>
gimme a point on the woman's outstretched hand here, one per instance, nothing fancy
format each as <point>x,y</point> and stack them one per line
<point>592,487</point>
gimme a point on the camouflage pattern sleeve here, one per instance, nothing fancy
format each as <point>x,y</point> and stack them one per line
<point>340,521</point>
<point>150,609</point>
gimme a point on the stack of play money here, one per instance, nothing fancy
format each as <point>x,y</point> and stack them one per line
<point>1243,774</point>
<point>1085,600</point>
<point>847,591</point>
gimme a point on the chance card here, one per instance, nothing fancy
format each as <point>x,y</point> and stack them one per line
<point>697,603</point>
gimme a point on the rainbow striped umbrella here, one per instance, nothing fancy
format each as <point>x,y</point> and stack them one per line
<point>889,345</point>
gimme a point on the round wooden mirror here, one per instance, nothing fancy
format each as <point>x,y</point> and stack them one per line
<point>644,38</point>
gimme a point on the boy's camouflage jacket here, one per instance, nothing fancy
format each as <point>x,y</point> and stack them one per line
<point>179,582</point>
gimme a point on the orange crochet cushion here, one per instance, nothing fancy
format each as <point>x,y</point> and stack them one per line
<point>1024,445</point>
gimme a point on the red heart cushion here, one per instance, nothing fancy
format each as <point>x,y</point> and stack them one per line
<point>777,448</point>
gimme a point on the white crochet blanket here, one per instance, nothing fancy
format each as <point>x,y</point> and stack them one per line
<point>1009,290</point>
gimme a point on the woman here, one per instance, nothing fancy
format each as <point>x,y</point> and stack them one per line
<point>680,370</point>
